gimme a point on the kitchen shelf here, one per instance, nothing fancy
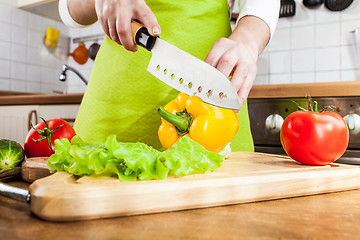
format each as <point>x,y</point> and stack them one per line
<point>45,8</point>
<point>331,89</point>
<point>41,99</point>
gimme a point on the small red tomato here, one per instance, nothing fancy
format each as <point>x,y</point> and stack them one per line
<point>39,141</point>
<point>314,138</point>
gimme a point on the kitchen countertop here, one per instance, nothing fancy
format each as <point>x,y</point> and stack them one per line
<point>258,91</point>
<point>325,216</point>
<point>35,99</point>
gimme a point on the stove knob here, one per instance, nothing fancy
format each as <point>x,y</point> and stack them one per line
<point>353,122</point>
<point>274,122</point>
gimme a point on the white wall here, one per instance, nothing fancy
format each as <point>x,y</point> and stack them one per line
<point>26,65</point>
<point>313,46</point>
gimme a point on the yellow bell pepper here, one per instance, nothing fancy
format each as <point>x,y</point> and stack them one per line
<point>211,126</point>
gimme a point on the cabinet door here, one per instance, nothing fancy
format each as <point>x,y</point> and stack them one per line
<point>15,121</point>
<point>67,112</point>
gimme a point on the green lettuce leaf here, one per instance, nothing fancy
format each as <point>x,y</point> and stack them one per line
<point>132,161</point>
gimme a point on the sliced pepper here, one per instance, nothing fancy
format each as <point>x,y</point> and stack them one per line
<point>211,126</point>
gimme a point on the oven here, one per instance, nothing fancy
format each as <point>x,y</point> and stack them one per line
<point>267,116</point>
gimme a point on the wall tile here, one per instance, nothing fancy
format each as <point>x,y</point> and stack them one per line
<point>280,79</point>
<point>34,39</point>
<point>4,69</point>
<point>350,75</point>
<point>5,33</point>
<point>281,40</point>
<point>34,22</point>
<point>303,37</point>
<point>5,84</point>
<point>280,62</point>
<point>33,73</point>
<point>33,87</point>
<point>18,53</point>
<point>19,35</point>
<point>263,63</point>
<point>327,59</point>
<point>17,85</point>
<point>19,17</point>
<point>349,60</point>
<point>261,79</point>
<point>305,77</point>
<point>303,60</point>
<point>284,23</point>
<point>327,76</point>
<point>4,50</point>
<point>327,34</point>
<point>49,75</point>
<point>18,71</point>
<point>33,56</point>
<point>5,13</point>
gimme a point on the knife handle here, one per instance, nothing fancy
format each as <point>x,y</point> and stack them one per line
<point>141,35</point>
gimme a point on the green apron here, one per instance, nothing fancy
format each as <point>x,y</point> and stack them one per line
<point>122,97</point>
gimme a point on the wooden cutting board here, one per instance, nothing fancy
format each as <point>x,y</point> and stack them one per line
<point>34,168</point>
<point>244,177</point>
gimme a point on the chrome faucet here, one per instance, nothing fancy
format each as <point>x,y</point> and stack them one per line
<point>63,73</point>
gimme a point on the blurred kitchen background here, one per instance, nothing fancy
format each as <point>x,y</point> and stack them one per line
<point>313,46</point>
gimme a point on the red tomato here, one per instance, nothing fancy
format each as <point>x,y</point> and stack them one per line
<point>38,138</point>
<point>314,138</point>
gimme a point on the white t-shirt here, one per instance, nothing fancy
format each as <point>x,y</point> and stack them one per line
<point>267,10</point>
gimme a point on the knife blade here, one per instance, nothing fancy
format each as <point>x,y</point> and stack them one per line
<point>184,72</point>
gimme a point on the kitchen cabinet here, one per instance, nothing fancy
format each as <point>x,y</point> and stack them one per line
<point>15,120</point>
<point>45,8</point>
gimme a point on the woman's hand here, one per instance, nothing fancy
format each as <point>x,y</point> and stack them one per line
<point>236,56</point>
<point>237,60</point>
<point>115,18</point>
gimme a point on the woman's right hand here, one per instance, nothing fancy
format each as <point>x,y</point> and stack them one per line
<point>115,18</point>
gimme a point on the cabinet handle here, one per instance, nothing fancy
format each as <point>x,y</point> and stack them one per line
<point>31,113</point>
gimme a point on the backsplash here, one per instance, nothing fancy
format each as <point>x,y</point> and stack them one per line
<point>26,65</point>
<point>313,46</point>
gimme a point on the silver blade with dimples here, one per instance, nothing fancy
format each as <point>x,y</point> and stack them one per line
<point>187,73</point>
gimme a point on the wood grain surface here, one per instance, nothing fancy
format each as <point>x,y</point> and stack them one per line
<point>334,89</point>
<point>324,216</point>
<point>244,177</point>
<point>34,168</point>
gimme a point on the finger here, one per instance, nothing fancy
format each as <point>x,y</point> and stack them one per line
<point>147,17</point>
<point>123,28</point>
<point>102,20</point>
<point>215,52</point>
<point>242,81</point>
<point>105,27</point>
<point>243,93</point>
<point>111,22</point>
<point>227,63</point>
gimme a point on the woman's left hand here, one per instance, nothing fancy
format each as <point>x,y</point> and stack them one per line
<point>237,60</point>
<point>237,55</point>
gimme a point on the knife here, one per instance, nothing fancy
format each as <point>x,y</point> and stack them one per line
<point>184,72</point>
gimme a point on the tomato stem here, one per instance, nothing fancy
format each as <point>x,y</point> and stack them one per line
<point>46,133</point>
<point>316,106</point>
